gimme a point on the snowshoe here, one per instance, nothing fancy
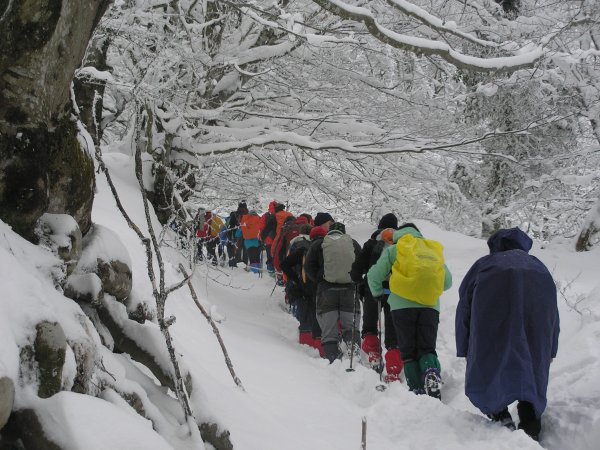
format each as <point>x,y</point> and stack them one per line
<point>432,381</point>
<point>505,419</point>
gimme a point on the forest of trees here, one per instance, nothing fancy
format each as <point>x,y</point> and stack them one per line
<point>474,114</point>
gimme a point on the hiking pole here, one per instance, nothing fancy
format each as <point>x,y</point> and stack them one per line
<point>351,369</point>
<point>363,443</point>
<point>274,286</point>
<point>380,387</point>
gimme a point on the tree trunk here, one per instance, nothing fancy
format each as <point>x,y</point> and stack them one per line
<point>43,165</point>
<point>90,92</point>
<point>591,228</point>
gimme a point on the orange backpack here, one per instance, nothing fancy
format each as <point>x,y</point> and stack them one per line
<point>250,225</point>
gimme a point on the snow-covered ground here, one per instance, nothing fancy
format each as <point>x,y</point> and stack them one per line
<point>295,400</point>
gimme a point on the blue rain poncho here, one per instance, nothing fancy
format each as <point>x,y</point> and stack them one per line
<point>507,325</point>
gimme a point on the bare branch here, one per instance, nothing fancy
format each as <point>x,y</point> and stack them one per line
<point>236,379</point>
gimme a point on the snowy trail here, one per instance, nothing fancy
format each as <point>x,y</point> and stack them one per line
<point>294,400</point>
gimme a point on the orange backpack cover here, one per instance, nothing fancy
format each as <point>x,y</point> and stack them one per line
<point>250,225</point>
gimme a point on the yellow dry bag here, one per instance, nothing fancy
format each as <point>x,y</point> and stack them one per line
<point>418,272</point>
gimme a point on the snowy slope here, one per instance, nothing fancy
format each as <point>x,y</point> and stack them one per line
<point>295,400</point>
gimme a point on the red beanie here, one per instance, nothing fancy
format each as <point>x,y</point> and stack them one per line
<point>317,232</point>
<point>301,221</point>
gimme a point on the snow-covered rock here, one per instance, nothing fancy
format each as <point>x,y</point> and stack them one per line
<point>61,234</point>
<point>105,255</point>
<point>84,287</point>
<point>50,348</point>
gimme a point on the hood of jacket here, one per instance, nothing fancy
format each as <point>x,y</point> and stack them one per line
<point>404,231</point>
<point>300,237</point>
<point>509,239</point>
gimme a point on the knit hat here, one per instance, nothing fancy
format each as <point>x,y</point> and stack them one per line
<point>388,221</point>
<point>242,204</point>
<point>304,229</point>
<point>321,218</point>
<point>317,232</point>
<point>301,220</point>
<point>308,217</point>
<point>272,206</point>
<point>338,226</point>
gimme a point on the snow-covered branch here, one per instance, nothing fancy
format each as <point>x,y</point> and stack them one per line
<point>436,23</point>
<point>189,151</point>
<point>428,47</point>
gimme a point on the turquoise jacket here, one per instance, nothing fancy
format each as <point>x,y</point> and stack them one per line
<point>381,270</point>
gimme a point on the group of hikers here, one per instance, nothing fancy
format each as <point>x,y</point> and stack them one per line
<point>506,322</point>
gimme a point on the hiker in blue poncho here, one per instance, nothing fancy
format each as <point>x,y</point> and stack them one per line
<point>507,327</point>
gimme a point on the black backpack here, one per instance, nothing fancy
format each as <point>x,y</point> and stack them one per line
<point>270,227</point>
<point>376,252</point>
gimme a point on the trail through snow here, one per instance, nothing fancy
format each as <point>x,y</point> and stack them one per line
<point>295,400</point>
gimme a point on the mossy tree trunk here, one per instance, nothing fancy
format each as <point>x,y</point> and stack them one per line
<point>89,92</point>
<point>43,167</point>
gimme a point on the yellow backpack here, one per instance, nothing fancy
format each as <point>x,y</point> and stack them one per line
<point>215,226</point>
<point>418,272</point>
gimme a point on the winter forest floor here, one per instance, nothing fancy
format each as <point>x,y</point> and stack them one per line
<point>295,400</point>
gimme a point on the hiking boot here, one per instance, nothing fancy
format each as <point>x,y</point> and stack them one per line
<point>504,418</point>
<point>528,422</point>
<point>432,381</point>
<point>372,348</point>
<point>393,365</point>
<point>532,431</point>
<point>332,351</point>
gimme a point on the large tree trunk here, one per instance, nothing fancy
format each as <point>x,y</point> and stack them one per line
<point>43,167</point>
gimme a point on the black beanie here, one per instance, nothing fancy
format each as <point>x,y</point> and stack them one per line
<point>388,221</point>
<point>321,218</point>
